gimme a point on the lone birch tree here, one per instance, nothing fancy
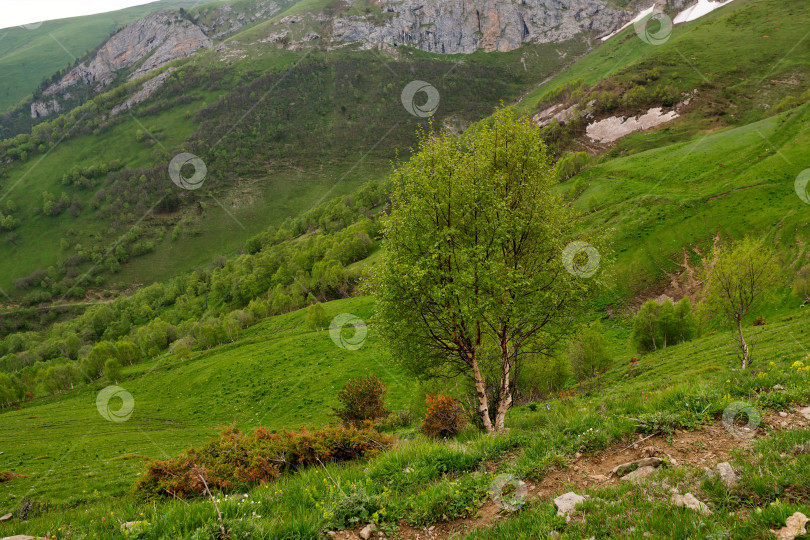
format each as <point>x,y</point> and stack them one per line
<point>472,260</point>
<point>739,279</point>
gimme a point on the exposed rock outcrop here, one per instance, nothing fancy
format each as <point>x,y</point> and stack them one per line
<point>143,46</point>
<point>465,26</point>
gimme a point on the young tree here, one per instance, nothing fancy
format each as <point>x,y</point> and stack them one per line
<point>112,370</point>
<point>588,355</point>
<point>646,333</point>
<point>739,279</point>
<point>317,319</point>
<point>472,259</point>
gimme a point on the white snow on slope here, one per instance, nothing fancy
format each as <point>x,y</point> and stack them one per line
<point>700,9</point>
<point>631,23</point>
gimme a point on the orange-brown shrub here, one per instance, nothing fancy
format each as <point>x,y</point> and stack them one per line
<point>237,459</point>
<point>362,399</point>
<point>445,417</point>
<point>5,476</point>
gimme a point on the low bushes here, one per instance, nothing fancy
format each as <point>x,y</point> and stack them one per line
<point>445,417</point>
<point>237,459</point>
<point>362,399</point>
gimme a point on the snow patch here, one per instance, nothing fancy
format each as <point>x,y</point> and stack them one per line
<point>703,7</point>
<point>614,128</point>
<point>640,16</point>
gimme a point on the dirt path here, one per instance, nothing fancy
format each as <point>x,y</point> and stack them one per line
<point>702,449</point>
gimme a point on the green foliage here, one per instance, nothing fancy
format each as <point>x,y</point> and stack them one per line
<point>317,318</point>
<point>588,354</point>
<point>658,325</point>
<point>572,163</point>
<point>112,370</point>
<point>362,400</point>
<point>740,278</point>
<point>488,279</point>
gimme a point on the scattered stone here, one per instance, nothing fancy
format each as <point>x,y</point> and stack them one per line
<point>689,501</point>
<point>367,531</point>
<point>578,455</point>
<point>127,525</point>
<point>407,470</point>
<point>5,517</point>
<point>795,526</point>
<point>783,414</point>
<point>727,474</point>
<point>567,503</point>
<point>778,387</point>
<point>22,537</point>
<point>641,472</point>
<point>598,477</point>
<point>625,468</point>
<point>805,412</point>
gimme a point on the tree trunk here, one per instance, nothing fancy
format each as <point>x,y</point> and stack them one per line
<point>743,345</point>
<point>483,396</point>
<point>505,394</point>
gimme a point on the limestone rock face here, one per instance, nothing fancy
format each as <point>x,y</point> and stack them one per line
<point>465,26</point>
<point>156,40</point>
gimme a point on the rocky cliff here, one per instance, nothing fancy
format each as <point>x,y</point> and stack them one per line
<point>137,49</point>
<point>465,26</point>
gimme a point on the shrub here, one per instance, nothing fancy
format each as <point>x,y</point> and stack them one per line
<point>445,417</point>
<point>237,459</point>
<point>760,321</point>
<point>361,399</point>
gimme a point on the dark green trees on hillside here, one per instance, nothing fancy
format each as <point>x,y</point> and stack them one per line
<point>588,354</point>
<point>658,325</point>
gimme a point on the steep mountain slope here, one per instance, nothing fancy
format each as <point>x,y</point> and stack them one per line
<point>32,54</point>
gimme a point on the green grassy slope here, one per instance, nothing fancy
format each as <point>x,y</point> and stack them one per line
<point>734,182</point>
<point>27,57</point>
<point>277,374</point>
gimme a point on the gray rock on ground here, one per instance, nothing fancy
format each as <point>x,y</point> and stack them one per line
<point>805,412</point>
<point>641,472</point>
<point>367,531</point>
<point>795,526</point>
<point>727,474</point>
<point>689,501</point>
<point>568,502</point>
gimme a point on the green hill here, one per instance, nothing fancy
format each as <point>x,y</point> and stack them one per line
<point>292,206</point>
<point>30,55</point>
